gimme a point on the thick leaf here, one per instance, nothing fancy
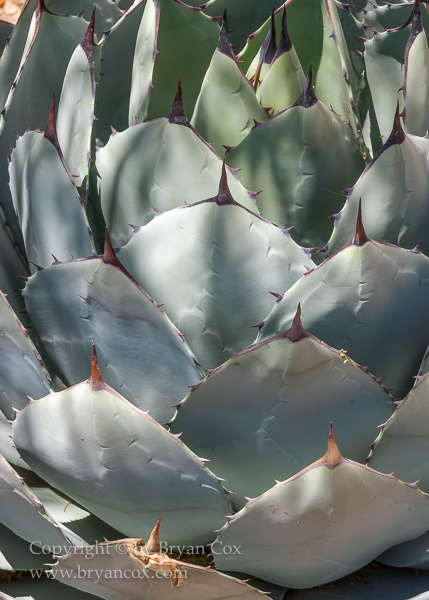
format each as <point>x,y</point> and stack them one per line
<point>78,99</point>
<point>184,42</point>
<point>114,87</point>
<point>416,80</point>
<point>404,439</point>
<point>23,513</point>
<point>302,159</point>
<point>21,369</point>
<point>332,518</point>
<point>384,63</point>
<point>154,575</point>
<point>394,190</point>
<point>74,517</point>
<point>161,164</point>
<point>12,53</point>
<point>30,98</point>
<point>244,16</point>
<point>369,298</point>
<point>289,387</point>
<point>16,554</point>
<point>107,12</point>
<point>120,464</point>
<point>7,449</point>
<point>283,82</point>
<point>212,264</point>
<point>316,32</point>
<point>226,107</point>
<point>141,354</point>
<point>42,186</point>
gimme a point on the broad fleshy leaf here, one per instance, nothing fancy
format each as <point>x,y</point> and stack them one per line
<point>157,576</point>
<point>119,463</point>
<point>159,165</point>
<point>393,189</point>
<point>141,354</point>
<point>226,108</point>
<point>22,373</point>
<point>263,415</point>
<point>327,521</point>
<point>370,299</point>
<point>302,159</point>
<point>213,264</point>
<point>49,208</point>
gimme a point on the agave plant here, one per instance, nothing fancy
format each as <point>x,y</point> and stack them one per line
<point>211,327</point>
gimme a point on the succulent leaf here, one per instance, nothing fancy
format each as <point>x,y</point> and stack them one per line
<point>302,158</point>
<point>370,300</point>
<point>226,108</point>
<point>23,513</point>
<point>274,384</point>
<point>174,580</point>
<point>330,519</point>
<point>184,41</point>
<point>114,87</point>
<point>21,368</point>
<point>78,98</point>
<point>41,186</point>
<point>129,187</point>
<point>141,354</point>
<point>120,464</point>
<point>31,91</point>
<point>284,80</point>
<point>215,264</point>
<point>404,439</point>
<point>393,188</point>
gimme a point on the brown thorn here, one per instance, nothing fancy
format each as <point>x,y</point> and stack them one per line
<point>224,195</point>
<point>152,545</point>
<point>360,237</point>
<point>333,455</point>
<point>96,381</point>
<point>297,331</point>
<point>178,114</point>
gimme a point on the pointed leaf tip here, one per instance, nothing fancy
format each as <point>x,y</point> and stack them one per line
<point>109,256</point>
<point>153,545</point>
<point>51,128</point>
<point>285,44</point>
<point>269,47</point>
<point>398,135</point>
<point>360,237</point>
<point>333,456</point>
<point>308,97</point>
<point>178,114</point>
<point>224,45</point>
<point>88,40</point>
<point>297,331</point>
<point>96,380</point>
<point>224,196</point>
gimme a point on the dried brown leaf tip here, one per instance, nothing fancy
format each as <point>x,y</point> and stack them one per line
<point>153,545</point>
<point>333,456</point>
<point>224,196</point>
<point>96,380</point>
<point>360,237</point>
<point>297,331</point>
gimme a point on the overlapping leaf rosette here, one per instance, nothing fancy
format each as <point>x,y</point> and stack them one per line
<point>183,326</point>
